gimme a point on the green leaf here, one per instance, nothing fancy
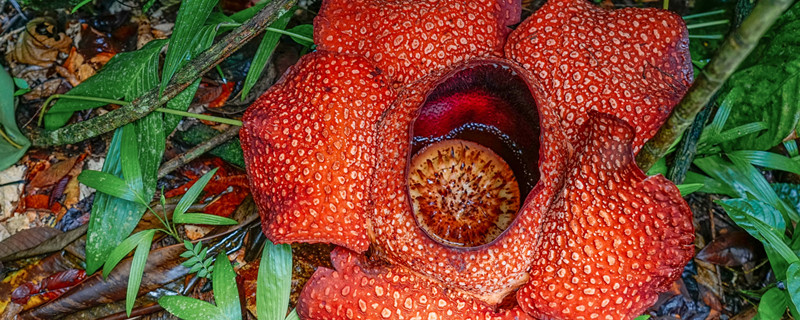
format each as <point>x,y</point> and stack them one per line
<point>688,188</point>
<point>116,80</point>
<point>112,219</point>
<point>191,195</point>
<point>770,93</point>
<point>109,184</point>
<point>9,152</point>
<point>294,316</point>
<point>769,160</point>
<point>306,31</point>
<point>765,224</point>
<point>793,283</point>
<point>248,13</point>
<point>741,210</point>
<point>202,218</point>
<point>772,305</point>
<point>643,317</point>
<point>274,281</point>
<point>21,83</point>
<point>137,269</point>
<point>129,156</point>
<point>264,52</point>
<point>124,248</point>
<point>191,17</point>
<point>660,167</point>
<point>189,308</point>
<point>740,179</point>
<point>789,193</point>
<point>226,294</point>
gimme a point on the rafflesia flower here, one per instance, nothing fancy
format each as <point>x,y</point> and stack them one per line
<point>489,172</point>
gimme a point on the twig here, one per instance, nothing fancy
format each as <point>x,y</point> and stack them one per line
<point>197,151</point>
<point>688,147</point>
<point>734,49</point>
<point>183,78</point>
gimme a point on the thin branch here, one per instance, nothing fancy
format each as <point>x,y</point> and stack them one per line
<point>735,49</point>
<point>197,151</point>
<point>183,78</point>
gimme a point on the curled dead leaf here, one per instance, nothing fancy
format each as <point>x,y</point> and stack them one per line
<point>40,43</point>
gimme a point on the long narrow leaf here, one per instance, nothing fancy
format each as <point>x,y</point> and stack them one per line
<point>123,249</point>
<point>226,294</point>
<point>129,156</point>
<point>274,281</point>
<point>191,16</point>
<point>293,315</point>
<point>769,160</point>
<point>189,308</point>
<point>264,52</point>
<point>793,283</point>
<point>137,269</point>
<point>202,218</point>
<point>108,183</point>
<point>191,195</point>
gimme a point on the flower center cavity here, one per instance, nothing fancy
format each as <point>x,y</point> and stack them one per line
<point>474,154</point>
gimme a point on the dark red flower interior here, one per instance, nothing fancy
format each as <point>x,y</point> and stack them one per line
<point>491,109</point>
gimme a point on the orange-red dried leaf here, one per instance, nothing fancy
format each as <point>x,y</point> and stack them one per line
<point>358,289</point>
<point>631,63</point>
<point>309,148</point>
<point>613,238</point>
<point>49,288</point>
<point>409,39</point>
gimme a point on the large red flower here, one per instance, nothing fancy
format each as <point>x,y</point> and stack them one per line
<point>490,172</point>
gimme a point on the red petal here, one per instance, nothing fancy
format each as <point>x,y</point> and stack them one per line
<point>489,271</point>
<point>358,289</point>
<point>613,238</point>
<point>632,63</point>
<point>409,39</point>
<point>309,150</point>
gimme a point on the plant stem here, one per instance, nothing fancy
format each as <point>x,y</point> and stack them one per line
<point>125,103</point>
<point>703,14</point>
<point>291,34</point>
<point>707,24</point>
<point>705,36</point>
<point>732,52</point>
<point>201,116</point>
<point>197,151</point>
<point>183,78</point>
<point>8,139</point>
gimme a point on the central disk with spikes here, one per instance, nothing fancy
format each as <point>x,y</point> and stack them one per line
<point>463,194</point>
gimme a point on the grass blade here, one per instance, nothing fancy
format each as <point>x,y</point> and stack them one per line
<point>109,184</point>
<point>122,250</point>
<point>264,52</point>
<point>768,160</point>
<point>202,218</point>
<point>137,268</point>
<point>191,195</point>
<point>191,16</point>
